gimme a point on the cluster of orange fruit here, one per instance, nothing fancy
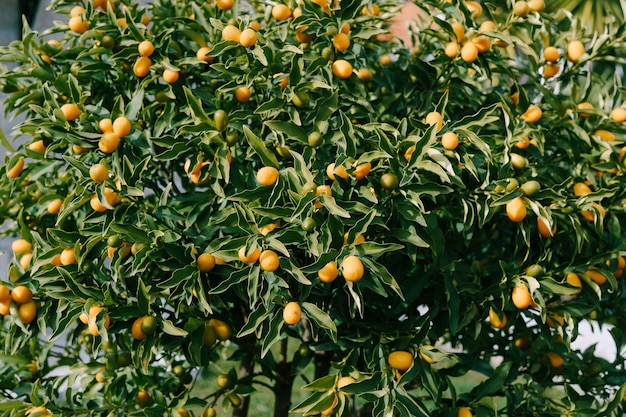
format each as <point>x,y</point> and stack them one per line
<point>22,297</point>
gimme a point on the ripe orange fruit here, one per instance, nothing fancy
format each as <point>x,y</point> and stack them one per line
<point>28,311</point>
<point>268,228</point>
<point>594,275</point>
<point>459,31</point>
<point>25,260</point>
<point>544,230</point>
<point>434,118</point>
<point>605,135</point>
<point>362,170</point>
<point>21,294</point>
<point>222,329</point>
<point>21,246</point>
<point>475,8</point>
<point>532,114</point>
<point>203,54</point>
<point>243,94</point>
<point>516,209</point>
<point>142,66</point>
<point>248,38</point>
<point>292,313</point>
<point>342,69</point>
<point>330,409</point>
<point>142,398</point>
<point>536,5</point>
<point>464,412</point>
<point>487,26</point>
<point>111,196</point>
<point>135,329</point>
<point>16,170</point>
<point>551,54</point>
<point>301,34</point>
<point>249,257</point>
<point>619,115</point>
<point>268,260</point>
<point>345,381</point>
<point>520,8</point>
<point>339,171</point>
<point>452,49</point>
<point>582,107</point>
<point>425,357</point>
<point>495,319</point>
<point>400,360</point>
<point>281,12</point>
<point>469,52</point>
<point>54,206</point>
<point>77,11</point>
<point>121,126</point>
<point>581,189</point>
<point>109,142</point>
<point>341,41</point>
<point>99,173</point>
<point>329,272</point>
<point>105,125</point>
<point>575,50</point>
<point>5,292</point>
<point>550,70</point>
<point>37,146</point>
<point>267,176</point>
<point>482,43</point>
<point>78,24</point>
<point>231,33</point>
<point>372,10</point>
<point>450,140</point>
<point>556,360</point>
<point>68,257</point>
<point>170,76</point>
<point>205,262</point>
<point>352,268</point>
<point>225,4</point>
<point>574,280</point>
<point>5,306</point>
<point>145,48</point>
<point>70,111</point>
<point>96,205</point>
<point>521,296</point>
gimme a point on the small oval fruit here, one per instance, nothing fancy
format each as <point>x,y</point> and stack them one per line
<point>497,321</point>
<point>575,50</point>
<point>343,382</point>
<point>68,257</point>
<point>141,68</point>
<point>329,272</point>
<point>205,262</point>
<point>292,313</point>
<point>248,38</point>
<point>469,52</point>
<point>450,140</point>
<point>145,48</point>
<point>530,187</point>
<point>135,329</point>
<point>400,360</point>
<point>267,176</point>
<point>268,261</point>
<point>223,330</point>
<point>99,173</point>
<point>521,296</point>
<point>342,69</point>
<point>574,280</point>
<point>464,412</point>
<point>21,294</point>
<point>221,120</point>
<point>247,256</point>
<point>516,210</point>
<point>352,268</point>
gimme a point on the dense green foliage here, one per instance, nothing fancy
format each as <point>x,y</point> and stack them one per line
<point>430,221</point>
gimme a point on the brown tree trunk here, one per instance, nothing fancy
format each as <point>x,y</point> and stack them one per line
<point>244,372</point>
<point>284,383</point>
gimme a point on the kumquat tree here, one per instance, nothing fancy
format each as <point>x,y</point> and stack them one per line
<point>279,208</point>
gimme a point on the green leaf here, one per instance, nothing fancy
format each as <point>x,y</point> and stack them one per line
<point>267,157</point>
<point>321,319</point>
